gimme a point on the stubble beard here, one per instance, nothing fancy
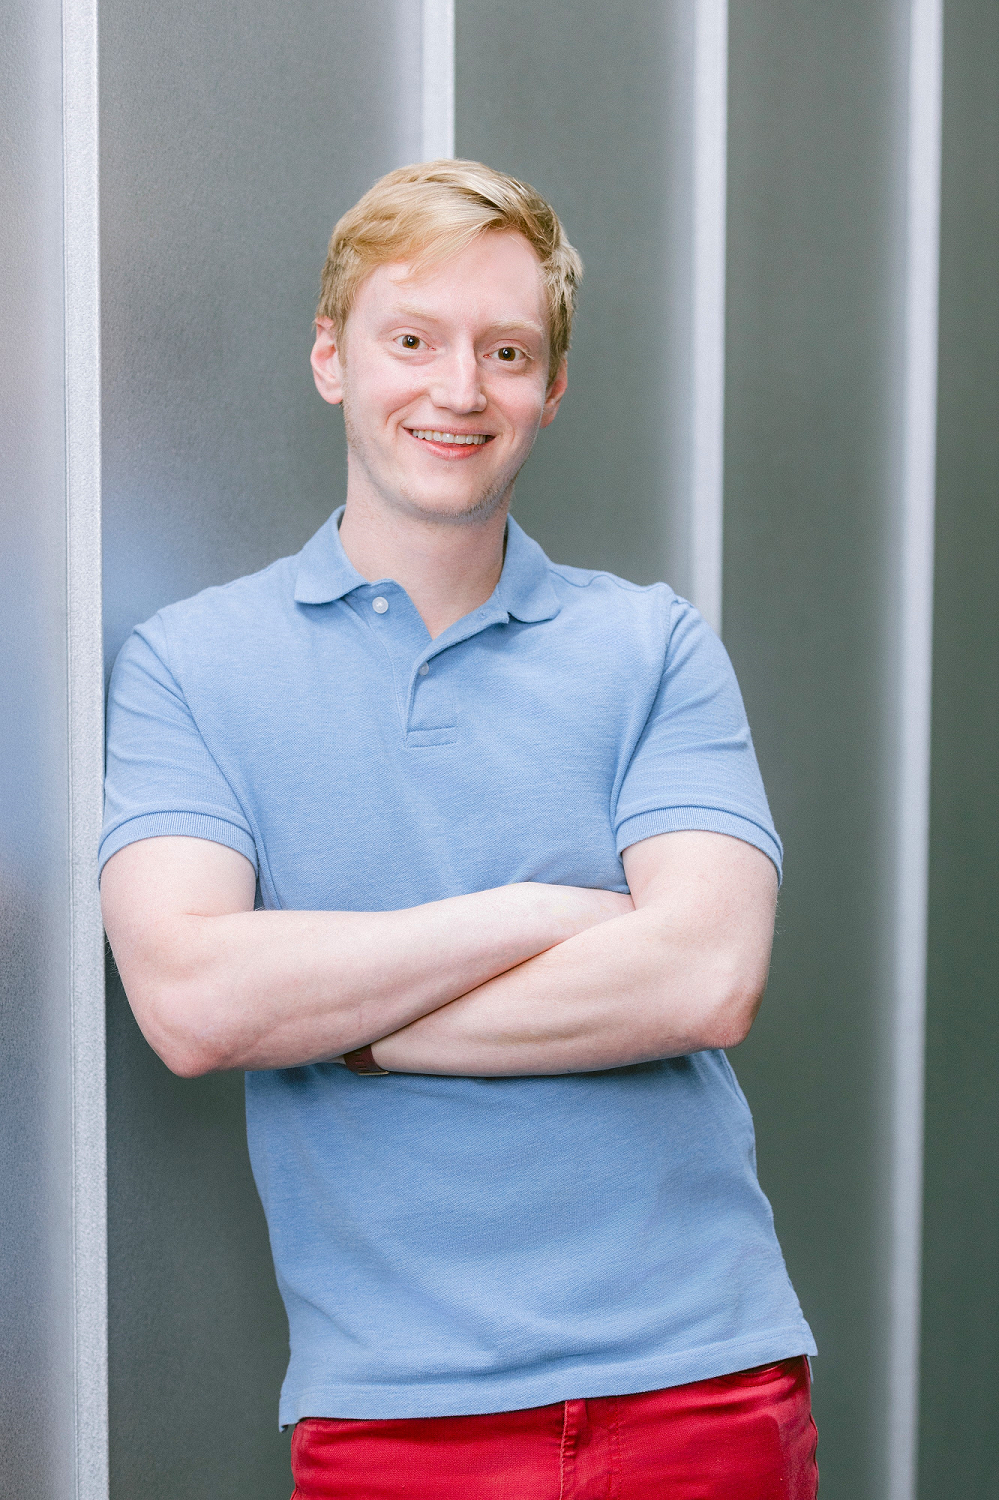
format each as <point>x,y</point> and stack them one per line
<point>493,498</point>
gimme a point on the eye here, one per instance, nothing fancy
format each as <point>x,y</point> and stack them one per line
<point>508,354</point>
<point>409,341</point>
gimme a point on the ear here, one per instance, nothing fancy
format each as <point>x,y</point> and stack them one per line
<point>555,393</point>
<point>327,369</point>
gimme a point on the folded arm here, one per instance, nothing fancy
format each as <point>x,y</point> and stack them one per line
<point>684,971</point>
<point>215,984</point>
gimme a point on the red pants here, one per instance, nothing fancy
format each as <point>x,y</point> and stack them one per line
<point>748,1436</point>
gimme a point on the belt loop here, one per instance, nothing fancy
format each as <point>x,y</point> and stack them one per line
<point>574,1424</point>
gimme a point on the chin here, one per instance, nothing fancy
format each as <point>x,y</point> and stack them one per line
<point>472,510</point>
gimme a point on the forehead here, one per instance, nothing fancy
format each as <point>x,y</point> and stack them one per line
<point>496,279</point>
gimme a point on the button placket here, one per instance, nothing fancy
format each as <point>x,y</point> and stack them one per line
<point>431,709</point>
<point>389,614</point>
<point>425,703</point>
<point>429,683</point>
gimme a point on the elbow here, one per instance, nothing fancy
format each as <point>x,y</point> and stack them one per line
<point>180,995</point>
<point>720,1017</point>
<point>186,1060</point>
<point>186,1056</point>
<point>732,1014</point>
<point>173,1024</point>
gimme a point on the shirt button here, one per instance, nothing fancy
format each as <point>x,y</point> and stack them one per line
<point>379,605</point>
<point>424,669</point>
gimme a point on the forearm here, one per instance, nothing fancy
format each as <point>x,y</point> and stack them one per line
<point>255,989</point>
<point>628,991</point>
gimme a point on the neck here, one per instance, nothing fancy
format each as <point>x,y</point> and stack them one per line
<point>447,568</point>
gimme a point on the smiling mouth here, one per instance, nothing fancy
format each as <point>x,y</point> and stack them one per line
<point>450,439</point>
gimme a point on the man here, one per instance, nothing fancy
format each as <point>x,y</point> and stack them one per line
<point>490,831</point>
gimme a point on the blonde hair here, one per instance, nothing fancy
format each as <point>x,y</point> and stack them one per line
<point>426,213</point>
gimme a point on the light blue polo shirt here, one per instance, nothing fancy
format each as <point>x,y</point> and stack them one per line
<point>455,1245</point>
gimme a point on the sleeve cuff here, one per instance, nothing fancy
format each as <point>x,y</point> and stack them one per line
<point>184,824</point>
<point>699,820</point>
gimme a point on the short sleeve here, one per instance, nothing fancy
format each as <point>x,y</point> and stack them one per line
<point>694,766</point>
<point>161,777</point>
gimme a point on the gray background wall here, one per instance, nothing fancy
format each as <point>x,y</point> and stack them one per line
<point>813,364</point>
<point>231,141</point>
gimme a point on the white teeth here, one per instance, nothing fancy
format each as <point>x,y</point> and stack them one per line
<point>473,439</point>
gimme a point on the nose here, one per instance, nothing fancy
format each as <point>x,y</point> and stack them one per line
<point>457,384</point>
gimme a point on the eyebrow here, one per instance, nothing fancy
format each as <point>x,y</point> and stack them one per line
<point>510,325</point>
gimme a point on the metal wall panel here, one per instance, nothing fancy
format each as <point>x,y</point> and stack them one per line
<point>53,1378</point>
<point>592,104</point>
<point>959,1454</point>
<point>815,356</point>
<point>232,141</point>
<point>36,1373</point>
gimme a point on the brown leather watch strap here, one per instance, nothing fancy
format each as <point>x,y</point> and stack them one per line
<point>362,1062</point>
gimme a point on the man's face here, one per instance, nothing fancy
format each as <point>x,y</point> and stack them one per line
<point>444,379</point>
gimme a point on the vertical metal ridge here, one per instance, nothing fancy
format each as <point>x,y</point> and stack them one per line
<point>708,310</point>
<point>85,692</point>
<point>437,132</point>
<point>914,720</point>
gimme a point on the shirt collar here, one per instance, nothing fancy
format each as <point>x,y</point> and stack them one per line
<point>325,573</point>
<point>525,589</point>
